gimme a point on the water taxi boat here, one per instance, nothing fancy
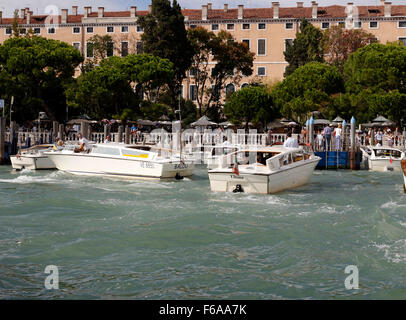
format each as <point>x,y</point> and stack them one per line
<point>33,158</point>
<point>382,158</point>
<point>403,165</point>
<point>263,170</point>
<point>120,160</point>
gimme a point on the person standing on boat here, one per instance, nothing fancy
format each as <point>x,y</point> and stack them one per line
<point>83,142</point>
<point>291,142</point>
<point>378,138</point>
<point>108,139</point>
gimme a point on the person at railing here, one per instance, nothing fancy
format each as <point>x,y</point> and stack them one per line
<point>327,137</point>
<point>378,138</point>
<point>337,134</point>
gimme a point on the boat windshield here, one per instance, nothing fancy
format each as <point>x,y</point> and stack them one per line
<point>383,153</point>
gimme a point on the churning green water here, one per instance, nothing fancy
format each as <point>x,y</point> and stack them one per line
<point>117,239</point>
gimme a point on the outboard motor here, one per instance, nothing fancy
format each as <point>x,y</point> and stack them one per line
<point>238,189</point>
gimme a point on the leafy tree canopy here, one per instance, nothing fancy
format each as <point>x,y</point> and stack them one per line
<point>309,88</point>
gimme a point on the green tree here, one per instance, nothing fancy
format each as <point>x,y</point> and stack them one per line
<point>36,71</point>
<point>107,90</point>
<point>339,43</point>
<point>311,87</point>
<point>307,47</point>
<point>250,104</point>
<point>165,37</point>
<point>375,80</point>
<point>233,59</point>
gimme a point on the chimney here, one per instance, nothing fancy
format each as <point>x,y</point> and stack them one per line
<point>299,4</point>
<point>240,11</point>
<point>388,9</point>
<point>225,7</point>
<point>383,2</point>
<point>314,9</point>
<point>209,6</point>
<point>275,7</point>
<point>87,11</point>
<point>204,12</point>
<point>101,12</point>
<point>133,11</point>
<point>75,10</point>
<point>64,19</point>
<point>22,14</point>
<point>1,17</point>
<point>28,14</point>
<point>149,8</point>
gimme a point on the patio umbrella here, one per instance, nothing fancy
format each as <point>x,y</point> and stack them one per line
<point>225,124</point>
<point>338,120</point>
<point>78,121</point>
<point>388,124</point>
<point>275,125</point>
<point>321,122</point>
<point>380,119</point>
<point>145,122</point>
<point>292,124</point>
<point>203,122</point>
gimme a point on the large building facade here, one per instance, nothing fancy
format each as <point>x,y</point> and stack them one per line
<point>265,30</point>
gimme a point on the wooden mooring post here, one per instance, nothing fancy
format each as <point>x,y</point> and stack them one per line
<point>2,140</point>
<point>120,134</point>
<point>353,148</point>
<point>127,134</point>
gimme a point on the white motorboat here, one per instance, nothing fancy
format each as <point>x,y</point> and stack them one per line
<point>403,165</point>
<point>120,160</point>
<point>382,158</point>
<point>33,158</point>
<point>263,170</point>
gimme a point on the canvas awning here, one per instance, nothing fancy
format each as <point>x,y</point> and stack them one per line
<point>203,122</point>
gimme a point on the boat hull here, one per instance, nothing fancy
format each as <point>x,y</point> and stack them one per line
<point>31,162</point>
<point>384,165</point>
<point>263,183</point>
<point>82,164</point>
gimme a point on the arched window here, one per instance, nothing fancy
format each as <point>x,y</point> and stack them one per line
<point>244,85</point>
<point>230,88</point>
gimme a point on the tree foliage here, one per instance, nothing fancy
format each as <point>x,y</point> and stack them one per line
<point>250,104</point>
<point>108,91</point>
<point>307,47</point>
<point>165,37</point>
<point>311,87</point>
<point>232,60</point>
<point>36,72</point>
<point>339,43</point>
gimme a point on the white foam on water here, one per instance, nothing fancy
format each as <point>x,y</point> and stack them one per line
<point>392,204</point>
<point>395,252</point>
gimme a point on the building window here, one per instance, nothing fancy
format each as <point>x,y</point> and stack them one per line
<point>289,25</point>
<point>51,30</point>
<point>246,26</point>
<point>23,31</point>
<point>9,31</point>
<point>124,29</point>
<point>373,25</point>
<point>192,72</point>
<point>193,26</point>
<point>37,30</point>
<point>76,30</point>
<point>402,24</point>
<point>89,50</point>
<point>262,71</point>
<point>110,29</point>
<point>76,45</point>
<point>341,24</point>
<point>230,26</point>
<point>139,47</point>
<point>89,29</point>
<point>261,47</point>
<point>403,40</point>
<point>124,49</point>
<point>140,29</point>
<point>193,92</point>
<point>244,85</point>
<point>230,88</point>
<point>261,26</point>
<point>247,42</point>
<point>215,91</point>
<point>325,25</point>
<point>214,27</point>
<point>110,49</point>
<point>357,24</point>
